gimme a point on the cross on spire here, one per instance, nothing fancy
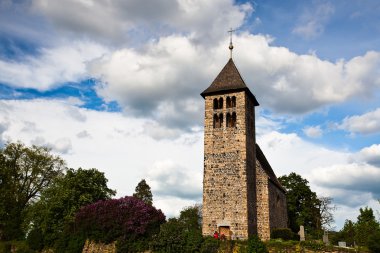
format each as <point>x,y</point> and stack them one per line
<point>231,46</point>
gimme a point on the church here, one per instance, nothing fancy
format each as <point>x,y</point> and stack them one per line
<point>241,193</point>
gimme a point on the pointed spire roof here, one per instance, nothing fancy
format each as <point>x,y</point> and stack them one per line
<point>229,79</point>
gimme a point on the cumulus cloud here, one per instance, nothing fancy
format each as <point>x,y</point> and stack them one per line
<point>352,183</point>
<point>4,125</point>
<point>313,131</point>
<point>160,132</point>
<point>170,179</point>
<point>298,84</point>
<point>312,22</point>
<point>94,18</point>
<point>367,123</point>
<point>354,177</point>
<point>83,134</point>
<point>283,152</point>
<point>369,155</point>
<point>163,81</point>
<point>51,66</point>
<point>61,145</point>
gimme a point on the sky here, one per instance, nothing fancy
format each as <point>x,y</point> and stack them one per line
<point>115,85</point>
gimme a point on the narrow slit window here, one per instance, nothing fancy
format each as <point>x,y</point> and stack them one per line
<point>228,102</point>
<point>220,103</point>
<point>233,101</point>
<point>216,121</point>
<point>220,120</point>
<point>215,104</point>
<point>233,120</point>
<point>228,120</point>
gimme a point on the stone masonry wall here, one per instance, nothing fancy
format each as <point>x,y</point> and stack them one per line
<point>263,215</point>
<point>278,209</point>
<point>93,247</point>
<point>225,191</point>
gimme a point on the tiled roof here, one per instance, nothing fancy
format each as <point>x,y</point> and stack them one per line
<point>229,79</point>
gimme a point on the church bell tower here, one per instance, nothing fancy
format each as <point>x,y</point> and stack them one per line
<point>229,184</point>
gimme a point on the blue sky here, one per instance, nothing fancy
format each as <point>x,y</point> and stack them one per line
<point>115,85</point>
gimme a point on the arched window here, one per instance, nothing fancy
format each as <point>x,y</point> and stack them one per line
<point>228,120</point>
<point>233,101</point>
<point>215,104</point>
<point>221,119</point>
<point>220,103</point>
<point>228,102</point>
<point>216,121</point>
<point>233,119</point>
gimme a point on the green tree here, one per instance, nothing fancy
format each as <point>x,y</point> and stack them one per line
<point>302,203</point>
<point>24,173</point>
<point>348,233</point>
<point>182,234</point>
<point>365,226</point>
<point>58,204</point>
<point>143,192</point>
<point>373,243</point>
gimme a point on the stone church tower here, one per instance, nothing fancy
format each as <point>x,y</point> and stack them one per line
<point>241,193</point>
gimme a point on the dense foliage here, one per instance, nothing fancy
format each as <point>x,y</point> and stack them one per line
<point>302,203</point>
<point>284,234</point>
<point>129,220</point>
<point>143,192</point>
<point>365,226</point>
<point>181,234</point>
<point>255,245</point>
<point>58,203</point>
<point>24,173</point>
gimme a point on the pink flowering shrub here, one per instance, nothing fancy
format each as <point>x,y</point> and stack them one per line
<point>124,219</point>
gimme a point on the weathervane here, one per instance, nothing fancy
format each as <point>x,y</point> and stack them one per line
<point>231,46</point>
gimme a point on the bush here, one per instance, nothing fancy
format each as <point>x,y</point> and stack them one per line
<point>313,245</point>
<point>127,219</point>
<point>35,240</point>
<point>255,245</point>
<point>5,247</point>
<point>69,242</point>
<point>209,245</point>
<point>282,233</point>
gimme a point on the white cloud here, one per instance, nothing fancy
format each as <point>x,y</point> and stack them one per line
<point>367,123</point>
<point>313,131</point>
<point>168,178</point>
<point>298,84</point>
<point>312,22</point>
<point>83,134</point>
<point>354,177</point>
<point>61,145</point>
<point>164,81</point>
<point>116,21</point>
<point>51,67</point>
<point>289,153</point>
<point>369,155</point>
